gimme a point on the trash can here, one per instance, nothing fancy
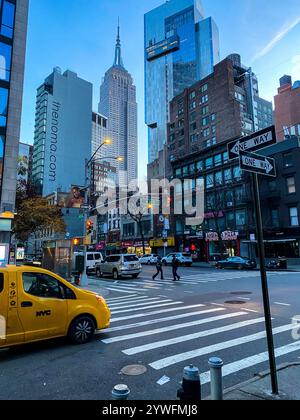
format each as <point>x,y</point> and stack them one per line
<point>283,263</point>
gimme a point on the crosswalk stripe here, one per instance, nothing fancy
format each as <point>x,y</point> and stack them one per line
<point>135,305</point>
<point>163,311</point>
<point>189,337</point>
<point>132,301</point>
<point>145,308</point>
<point>172,328</point>
<point>251,361</point>
<point>178,358</point>
<point>115,289</point>
<point>166,319</point>
<point>122,298</point>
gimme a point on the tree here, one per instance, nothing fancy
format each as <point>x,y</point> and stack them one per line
<point>34,215</point>
<point>137,216</point>
<point>26,189</point>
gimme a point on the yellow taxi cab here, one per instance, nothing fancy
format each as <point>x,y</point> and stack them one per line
<point>36,304</point>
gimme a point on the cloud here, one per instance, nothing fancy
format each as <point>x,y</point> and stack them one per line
<point>288,27</point>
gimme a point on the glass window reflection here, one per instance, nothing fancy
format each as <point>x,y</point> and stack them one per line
<point>5,61</point>
<point>8,17</point>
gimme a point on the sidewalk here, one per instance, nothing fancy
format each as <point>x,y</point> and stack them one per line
<point>260,388</point>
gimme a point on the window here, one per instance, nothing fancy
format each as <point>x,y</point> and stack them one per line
<point>213,130</point>
<point>5,61</point>
<point>230,220</point>
<point>178,172</point>
<point>205,121</point>
<point>204,88</point>
<point>209,181</point>
<point>291,185</point>
<point>275,218</point>
<point>229,198</point>
<point>227,176</point>
<point>90,257</point>
<point>240,218</point>
<point>218,160</point>
<point>185,170</point>
<point>3,106</point>
<point>294,219</point>
<point>205,110</point>
<point>237,173</point>
<point>8,17</point>
<point>288,160</point>
<point>193,95</point>
<point>272,186</point>
<point>42,285</point>
<point>213,117</point>
<point>208,163</point>
<point>192,116</point>
<point>193,105</point>
<point>239,195</point>
<point>194,126</point>
<point>199,165</point>
<point>225,157</point>
<point>192,168</point>
<point>218,178</point>
<point>204,99</point>
<point>172,137</point>
<point>206,132</point>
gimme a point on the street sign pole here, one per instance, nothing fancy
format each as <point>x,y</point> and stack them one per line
<point>265,289</point>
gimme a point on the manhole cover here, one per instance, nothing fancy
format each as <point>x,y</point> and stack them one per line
<point>241,293</point>
<point>134,370</point>
<point>235,302</point>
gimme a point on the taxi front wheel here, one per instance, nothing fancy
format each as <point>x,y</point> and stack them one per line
<point>82,330</point>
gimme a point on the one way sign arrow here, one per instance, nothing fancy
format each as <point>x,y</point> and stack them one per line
<point>255,141</point>
<point>252,162</point>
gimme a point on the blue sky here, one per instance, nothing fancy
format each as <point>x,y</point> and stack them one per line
<point>80,35</point>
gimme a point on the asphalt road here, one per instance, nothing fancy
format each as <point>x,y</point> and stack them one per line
<point>162,326</point>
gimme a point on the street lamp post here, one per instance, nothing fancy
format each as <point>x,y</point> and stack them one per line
<point>87,189</point>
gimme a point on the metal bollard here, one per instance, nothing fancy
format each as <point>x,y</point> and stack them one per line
<point>120,392</point>
<point>191,385</point>
<point>216,364</point>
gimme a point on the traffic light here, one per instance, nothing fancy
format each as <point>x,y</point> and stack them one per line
<point>76,242</point>
<point>89,227</point>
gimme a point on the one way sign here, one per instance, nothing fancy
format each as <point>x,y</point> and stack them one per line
<point>252,162</point>
<point>256,141</point>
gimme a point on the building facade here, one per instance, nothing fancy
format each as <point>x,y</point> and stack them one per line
<point>181,47</point>
<point>25,162</point>
<point>287,108</point>
<point>99,134</point>
<point>62,138</point>
<point>13,34</point>
<point>118,103</point>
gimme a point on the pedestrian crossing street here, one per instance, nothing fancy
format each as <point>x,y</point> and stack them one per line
<point>167,334</point>
<point>147,284</point>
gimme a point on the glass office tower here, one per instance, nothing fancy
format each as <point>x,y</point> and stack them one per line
<point>181,47</point>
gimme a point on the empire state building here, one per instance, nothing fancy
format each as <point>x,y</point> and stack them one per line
<point>118,104</point>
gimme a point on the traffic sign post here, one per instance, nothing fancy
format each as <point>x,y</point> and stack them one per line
<point>264,282</point>
<point>257,141</point>
<point>257,164</point>
<point>252,162</point>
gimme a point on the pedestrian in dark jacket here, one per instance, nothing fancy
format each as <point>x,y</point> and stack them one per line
<point>159,269</point>
<point>175,265</point>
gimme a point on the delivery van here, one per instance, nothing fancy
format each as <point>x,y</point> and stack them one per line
<point>36,305</point>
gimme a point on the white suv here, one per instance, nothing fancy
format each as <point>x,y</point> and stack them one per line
<point>149,259</point>
<point>183,258</point>
<point>118,266</point>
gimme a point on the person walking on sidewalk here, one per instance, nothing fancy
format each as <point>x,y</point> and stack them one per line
<point>175,265</point>
<point>159,269</point>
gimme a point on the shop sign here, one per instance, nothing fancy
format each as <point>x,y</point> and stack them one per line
<point>127,244</point>
<point>212,237</point>
<point>230,236</point>
<point>214,215</point>
<point>160,243</point>
<point>139,244</point>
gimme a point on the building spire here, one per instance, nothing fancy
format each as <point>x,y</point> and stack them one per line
<point>118,55</point>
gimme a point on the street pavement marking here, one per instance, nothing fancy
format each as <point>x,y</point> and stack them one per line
<point>121,298</point>
<point>163,311</point>
<point>135,305</point>
<point>118,290</point>
<point>171,328</point>
<point>145,308</point>
<point>131,301</point>
<point>250,310</point>
<point>251,361</point>
<point>160,320</point>
<point>281,304</point>
<point>243,298</point>
<point>182,357</point>
<point>219,304</point>
<point>189,337</point>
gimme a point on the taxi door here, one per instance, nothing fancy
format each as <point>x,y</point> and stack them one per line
<point>42,308</point>
<point>11,329</point>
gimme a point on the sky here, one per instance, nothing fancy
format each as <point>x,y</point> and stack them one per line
<point>80,35</point>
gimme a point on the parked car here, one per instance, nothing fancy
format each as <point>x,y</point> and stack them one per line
<point>39,305</point>
<point>238,263</point>
<point>149,259</point>
<point>91,259</point>
<point>278,264</point>
<point>118,266</point>
<point>183,258</point>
